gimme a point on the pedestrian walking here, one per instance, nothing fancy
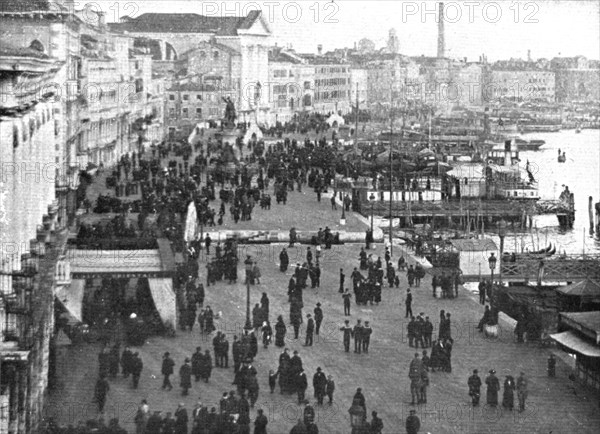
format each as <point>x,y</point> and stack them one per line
<point>474,384</point>
<point>347,296</point>
<point>310,329</point>
<point>330,388</point>
<point>136,369</point>
<point>522,391</point>
<point>185,377</point>
<point>318,318</point>
<point>167,370</point>
<point>408,303</point>
<point>508,396</point>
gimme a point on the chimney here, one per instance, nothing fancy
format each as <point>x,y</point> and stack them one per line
<point>320,49</point>
<point>441,49</point>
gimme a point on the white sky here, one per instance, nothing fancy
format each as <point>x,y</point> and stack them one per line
<point>500,29</point>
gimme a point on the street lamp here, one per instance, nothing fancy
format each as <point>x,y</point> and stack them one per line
<point>357,417</point>
<point>501,234</point>
<point>492,261</point>
<point>372,199</point>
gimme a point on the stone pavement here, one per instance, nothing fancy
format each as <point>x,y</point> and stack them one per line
<point>555,405</point>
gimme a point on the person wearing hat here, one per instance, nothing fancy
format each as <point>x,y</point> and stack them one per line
<point>347,330</point>
<point>319,385</point>
<point>155,422</point>
<point>366,337</point>
<point>330,388</point>
<point>413,423</point>
<point>181,419</point>
<point>260,423</point>
<point>301,383</point>
<point>493,386</point>
<point>376,423</point>
<point>474,383</point>
<point>167,370</point>
<point>185,377</point>
<point>318,318</point>
<point>310,329</point>
<point>357,332</point>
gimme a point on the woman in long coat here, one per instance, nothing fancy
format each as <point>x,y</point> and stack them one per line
<point>280,331</point>
<point>493,386</point>
<point>508,397</point>
<point>284,261</point>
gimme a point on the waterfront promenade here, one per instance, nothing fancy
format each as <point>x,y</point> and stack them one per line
<point>555,405</point>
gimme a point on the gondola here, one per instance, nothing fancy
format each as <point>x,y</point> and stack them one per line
<point>541,252</point>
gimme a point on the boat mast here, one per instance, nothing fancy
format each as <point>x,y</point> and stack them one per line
<point>391,178</point>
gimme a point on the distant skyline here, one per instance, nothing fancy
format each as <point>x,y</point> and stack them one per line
<point>498,29</point>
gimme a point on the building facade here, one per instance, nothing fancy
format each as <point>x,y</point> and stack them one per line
<point>249,36</point>
<point>29,162</point>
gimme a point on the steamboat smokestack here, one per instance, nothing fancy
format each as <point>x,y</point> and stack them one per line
<point>441,49</point>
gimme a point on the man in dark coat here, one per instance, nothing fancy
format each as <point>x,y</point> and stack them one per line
<point>185,377</point>
<point>126,362</point>
<point>196,362</point>
<point>493,386</point>
<point>181,419</point>
<point>357,332</point>
<point>413,424</point>
<point>366,337</point>
<point>474,384</point>
<point>319,385</point>
<point>318,318</point>
<point>299,428</point>
<point>376,423</point>
<point>136,369</point>
<point>342,280</point>
<point>408,303</point>
<point>310,329</point>
<point>301,385</point>
<point>260,423</point>
<point>167,370</point>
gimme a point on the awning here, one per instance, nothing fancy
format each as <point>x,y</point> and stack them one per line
<point>575,343</point>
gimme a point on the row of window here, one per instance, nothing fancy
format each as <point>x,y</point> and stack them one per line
<point>331,70</point>
<point>185,112</point>
<point>199,97</point>
<point>332,82</point>
<point>335,94</point>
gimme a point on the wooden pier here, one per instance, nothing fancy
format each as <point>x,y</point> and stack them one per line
<point>511,210</point>
<point>563,268</point>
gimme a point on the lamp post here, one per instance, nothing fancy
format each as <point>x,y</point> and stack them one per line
<point>492,262</point>
<point>372,199</point>
<point>357,417</point>
<point>501,233</point>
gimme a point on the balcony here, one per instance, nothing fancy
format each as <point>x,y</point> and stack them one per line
<point>62,274</point>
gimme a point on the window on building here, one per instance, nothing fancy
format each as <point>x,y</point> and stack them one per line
<point>216,55</point>
<point>171,97</point>
<point>185,112</point>
<point>199,97</point>
<point>307,85</point>
<point>172,112</point>
<point>198,112</point>
<point>186,97</point>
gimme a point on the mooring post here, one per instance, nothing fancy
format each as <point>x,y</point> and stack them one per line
<point>591,214</point>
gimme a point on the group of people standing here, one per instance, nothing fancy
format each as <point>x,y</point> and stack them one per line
<point>493,388</point>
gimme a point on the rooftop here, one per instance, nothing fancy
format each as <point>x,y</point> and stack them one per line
<point>187,23</point>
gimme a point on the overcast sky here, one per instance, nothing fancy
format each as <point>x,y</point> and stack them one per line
<point>500,29</point>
